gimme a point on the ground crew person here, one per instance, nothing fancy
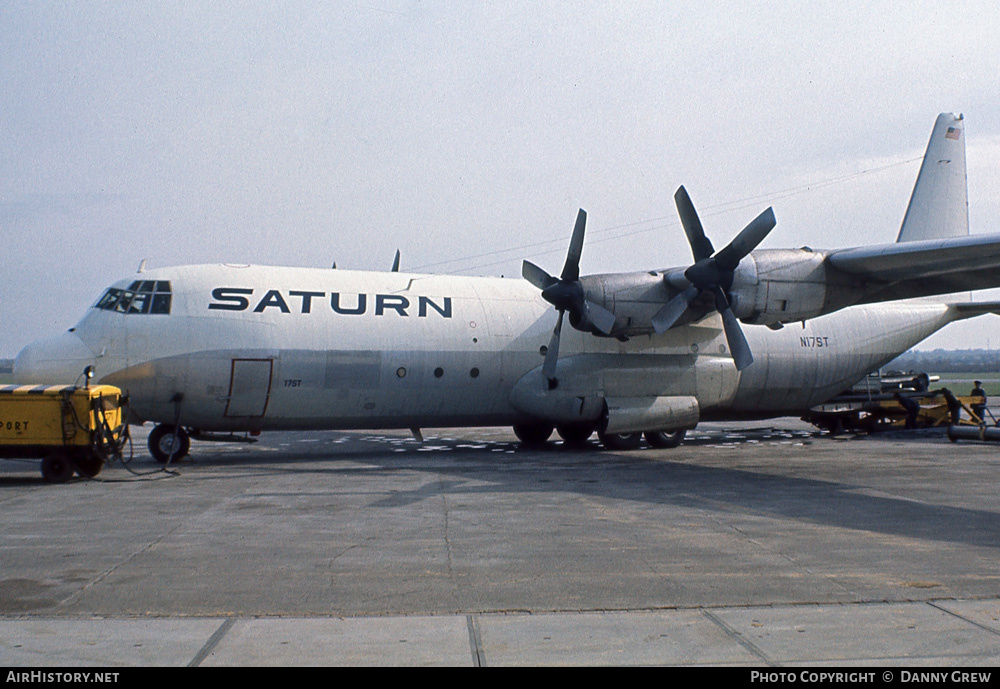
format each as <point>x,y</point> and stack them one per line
<point>979,407</point>
<point>954,406</point>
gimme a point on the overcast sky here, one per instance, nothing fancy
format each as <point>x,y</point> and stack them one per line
<point>466,134</point>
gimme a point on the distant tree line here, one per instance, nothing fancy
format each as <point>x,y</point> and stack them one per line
<point>958,360</point>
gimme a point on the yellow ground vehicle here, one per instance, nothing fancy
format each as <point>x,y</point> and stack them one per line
<point>72,429</point>
<point>872,412</point>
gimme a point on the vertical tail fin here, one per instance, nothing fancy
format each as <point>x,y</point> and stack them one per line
<point>939,205</point>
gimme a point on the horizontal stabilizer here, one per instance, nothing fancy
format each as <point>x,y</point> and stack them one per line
<point>971,309</point>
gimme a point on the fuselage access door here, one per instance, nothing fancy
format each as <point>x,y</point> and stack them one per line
<point>249,387</point>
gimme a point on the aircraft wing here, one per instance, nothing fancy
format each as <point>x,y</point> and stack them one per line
<point>922,268</point>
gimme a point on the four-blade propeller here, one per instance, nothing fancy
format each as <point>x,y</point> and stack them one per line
<point>713,272</point>
<point>566,294</point>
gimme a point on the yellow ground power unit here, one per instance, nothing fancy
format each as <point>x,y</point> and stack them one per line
<point>71,429</point>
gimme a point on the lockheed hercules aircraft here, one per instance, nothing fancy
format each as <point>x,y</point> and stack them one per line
<point>210,349</point>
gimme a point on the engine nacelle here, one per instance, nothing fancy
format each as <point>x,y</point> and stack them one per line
<point>632,297</point>
<point>781,286</point>
<point>770,286</point>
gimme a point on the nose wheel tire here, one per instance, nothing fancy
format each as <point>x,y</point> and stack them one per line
<point>163,443</point>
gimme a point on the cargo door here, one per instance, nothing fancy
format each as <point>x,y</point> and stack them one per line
<point>249,387</point>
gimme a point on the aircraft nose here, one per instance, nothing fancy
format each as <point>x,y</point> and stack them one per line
<point>53,361</point>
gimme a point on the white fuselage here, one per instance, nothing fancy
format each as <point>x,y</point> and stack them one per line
<point>258,348</point>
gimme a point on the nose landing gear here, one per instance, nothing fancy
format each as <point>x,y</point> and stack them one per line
<point>168,444</point>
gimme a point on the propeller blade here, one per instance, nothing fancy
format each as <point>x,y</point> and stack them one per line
<point>566,294</point>
<point>669,314</point>
<point>712,271</point>
<point>395,263</point>
<point>603,319</point>
<point>746,241</point>
<point>742,356</point>
<point>571,271</point>
<point>536,276</point>
<point>701,246</point>
<point>552,353</point>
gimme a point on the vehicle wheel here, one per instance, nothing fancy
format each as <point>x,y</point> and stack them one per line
<point>575,433</point>
<point>89,467</point>
<point>57,469</point>
<point>162,443</point>
<point>533,434</point>
<point>620,441</point>
<point>662,439</point>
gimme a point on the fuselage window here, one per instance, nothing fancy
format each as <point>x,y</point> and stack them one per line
<point>108,301</point>
<point>140,303</point>
<point>161,303</point>
<point>142,296</point>
<point>124,301</point>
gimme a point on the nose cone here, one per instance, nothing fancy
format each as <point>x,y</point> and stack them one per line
<point>53,361</point>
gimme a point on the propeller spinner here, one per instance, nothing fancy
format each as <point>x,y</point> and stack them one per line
<point>566,294</point>
<point>713,272</point>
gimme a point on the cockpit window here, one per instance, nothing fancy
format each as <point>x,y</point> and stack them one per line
<point>142,296</point>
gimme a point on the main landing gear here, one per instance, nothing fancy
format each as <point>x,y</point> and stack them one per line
<point>577,434</point>
<point>534,434</point>
<point>663,439</point>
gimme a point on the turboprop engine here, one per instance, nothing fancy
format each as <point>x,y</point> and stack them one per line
<point>761,287</point>
<point>775,286</point>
